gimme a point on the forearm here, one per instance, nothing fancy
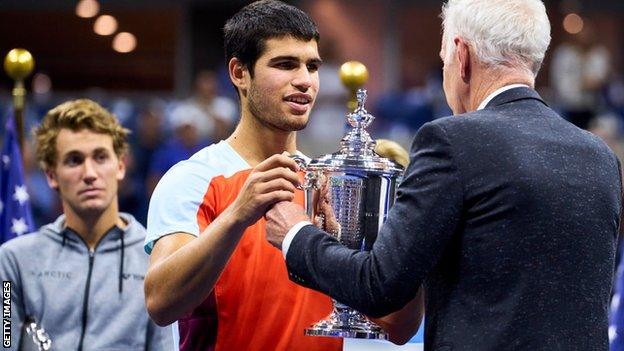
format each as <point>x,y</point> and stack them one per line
<point>179,282</point>
<point>183,269</point>
<point>351,277</point>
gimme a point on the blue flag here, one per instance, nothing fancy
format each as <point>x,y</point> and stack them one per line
<point>15,214</point>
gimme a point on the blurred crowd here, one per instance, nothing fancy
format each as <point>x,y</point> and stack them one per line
<point>583,86</point>
<point>164,131</point>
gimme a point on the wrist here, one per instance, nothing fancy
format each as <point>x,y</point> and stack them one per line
<point>233,220</point>
<point>290,235</point>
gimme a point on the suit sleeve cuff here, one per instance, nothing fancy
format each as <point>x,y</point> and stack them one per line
<point>291,235</point>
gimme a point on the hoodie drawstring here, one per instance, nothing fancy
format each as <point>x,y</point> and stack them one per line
<point>121,264</point>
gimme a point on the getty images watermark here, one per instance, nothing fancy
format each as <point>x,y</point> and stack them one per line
<point>6,313</point>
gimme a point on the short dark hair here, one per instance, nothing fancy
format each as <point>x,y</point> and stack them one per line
<point>246,32</point>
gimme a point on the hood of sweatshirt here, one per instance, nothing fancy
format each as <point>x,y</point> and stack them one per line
<point>115,239</point>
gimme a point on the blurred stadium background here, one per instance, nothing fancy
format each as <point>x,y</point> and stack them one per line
<point>158,65</point>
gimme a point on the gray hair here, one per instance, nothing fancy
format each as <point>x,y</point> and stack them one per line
<point>512,33</point>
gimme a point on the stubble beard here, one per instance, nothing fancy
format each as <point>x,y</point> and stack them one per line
<point>270,115</point>
<point>92,208</point>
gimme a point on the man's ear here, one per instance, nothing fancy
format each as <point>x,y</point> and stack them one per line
<point>121,168</point>
<point>463,55</point>
<point>51,178</point>
<point>239,74</point>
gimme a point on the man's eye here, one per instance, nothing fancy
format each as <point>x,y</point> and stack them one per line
<point>101,157</point>
<point>73,161</point>
<point>313,67</point>
<point>286,65</point>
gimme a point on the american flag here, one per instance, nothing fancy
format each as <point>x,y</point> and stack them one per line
<point>15,214</point>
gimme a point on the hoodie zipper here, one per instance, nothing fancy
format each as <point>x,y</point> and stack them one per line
<point>85,303</point>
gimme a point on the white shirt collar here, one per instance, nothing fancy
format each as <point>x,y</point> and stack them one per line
<point>498,92</point>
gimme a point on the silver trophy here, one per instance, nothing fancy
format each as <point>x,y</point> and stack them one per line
<point>348,194</point>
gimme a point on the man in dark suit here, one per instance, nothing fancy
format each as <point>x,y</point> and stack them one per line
<point>507,215</point>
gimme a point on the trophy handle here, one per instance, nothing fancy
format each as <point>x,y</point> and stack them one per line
<point>300,161</point>
<point>311,178</point>
<point>311,188</point>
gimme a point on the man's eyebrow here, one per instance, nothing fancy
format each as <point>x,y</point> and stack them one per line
<point>284,58</point>
<point>70,153</point>
<point>78,152</point>
<point>315,60</point>
<point>100,149</point>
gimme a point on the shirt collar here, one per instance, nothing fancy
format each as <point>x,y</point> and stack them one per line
<point>498,92</point>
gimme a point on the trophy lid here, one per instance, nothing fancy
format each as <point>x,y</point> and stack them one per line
<point>357,152</point>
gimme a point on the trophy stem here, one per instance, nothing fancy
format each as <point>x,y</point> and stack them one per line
<point>345,322</point>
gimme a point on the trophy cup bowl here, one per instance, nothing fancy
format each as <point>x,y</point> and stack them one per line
<point>348,195</point>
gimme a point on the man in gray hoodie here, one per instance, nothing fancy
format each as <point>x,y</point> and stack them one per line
<point>81,277</point>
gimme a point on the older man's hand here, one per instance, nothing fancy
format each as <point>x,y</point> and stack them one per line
<point>283,216</point>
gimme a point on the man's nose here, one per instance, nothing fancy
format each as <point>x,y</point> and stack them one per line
<point>89,171</point>
<point>303,79</point>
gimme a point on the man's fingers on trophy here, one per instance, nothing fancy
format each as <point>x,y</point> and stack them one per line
<point>281,173</point>
<point>277,184</point>
<point>277,196</point>
<point>266,164</point>
<point>319,221</point>
<point>277,160</point>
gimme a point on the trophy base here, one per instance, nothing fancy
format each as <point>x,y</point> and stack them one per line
<point>349,323</point>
